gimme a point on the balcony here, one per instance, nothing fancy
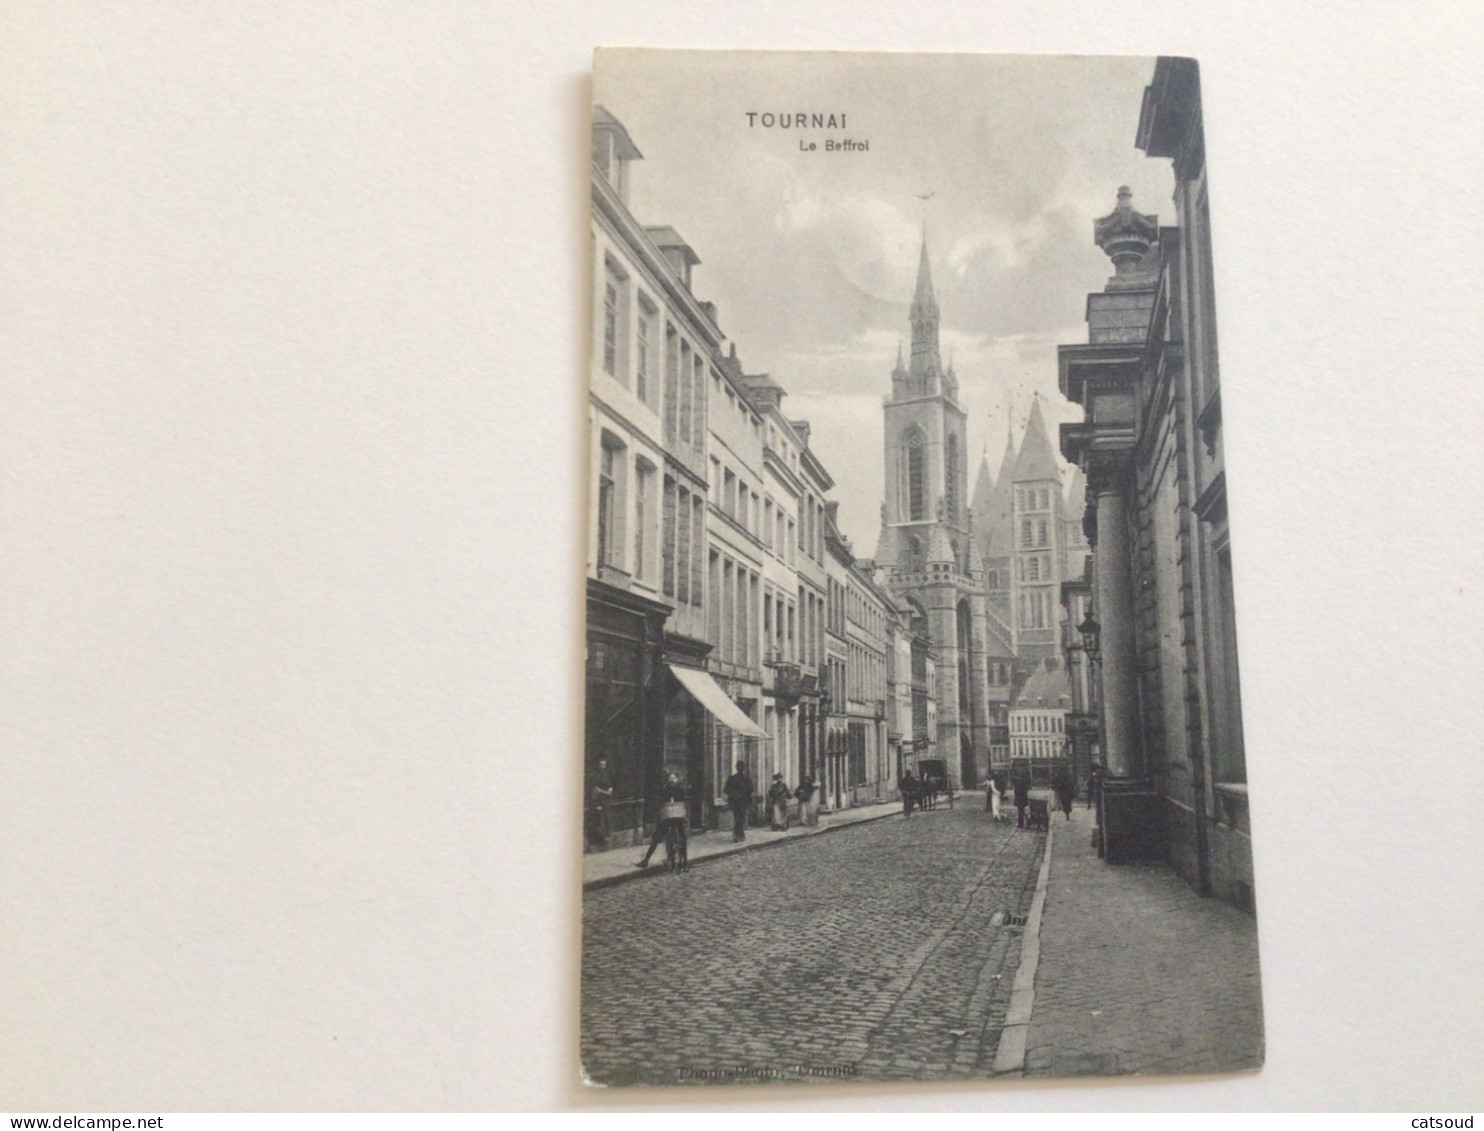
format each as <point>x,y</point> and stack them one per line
<point>787,681</point>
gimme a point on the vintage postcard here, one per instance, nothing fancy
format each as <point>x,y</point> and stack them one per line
<point>913,737</point>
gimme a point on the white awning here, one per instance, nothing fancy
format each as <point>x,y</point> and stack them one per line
<point>714,699</point>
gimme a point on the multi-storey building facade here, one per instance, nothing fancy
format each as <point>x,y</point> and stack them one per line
<point>735,556</point>
<point>650,702</point>
<point>1149,381</point>
<point>860,619</point>
<point>727,618</point>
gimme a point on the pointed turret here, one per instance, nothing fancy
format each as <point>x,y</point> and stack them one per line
<point>994,534</point>
<point>940,550</point>
<point>1037,459</point>
<point>983,489</point>
<point>975,564</point>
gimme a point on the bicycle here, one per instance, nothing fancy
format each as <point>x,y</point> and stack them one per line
<point>673,813</point>
<point>675,849</point>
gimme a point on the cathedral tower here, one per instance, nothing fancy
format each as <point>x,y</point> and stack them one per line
<point>925,545</point>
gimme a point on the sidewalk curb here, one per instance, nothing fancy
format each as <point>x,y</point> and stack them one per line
<point>1009,1057</point>
<point>659,870</point>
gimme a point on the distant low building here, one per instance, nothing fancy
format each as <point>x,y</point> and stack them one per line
<point>1038,720</point>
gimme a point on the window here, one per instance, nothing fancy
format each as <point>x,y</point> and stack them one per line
<point>607,490</point>
<point>643,360</point>
<point>682,552</point>
<point>668,537</point>
<point>615,315</point>
<point>672,379</point>
<point>698,404</point>
<point>950,473</point>
<point>697,544</point>
<point>1041,533</point>
<point>687,393</point>
<point>751,619</point>
<point>1035,570</point>
<point>643,511</point>
<point>729,635</point>
<point>713,602</point>
<point>916,471</point>
<point>1025,532</point>
<point>744,615</point>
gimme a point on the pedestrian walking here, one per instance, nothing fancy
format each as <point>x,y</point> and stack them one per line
<point>995,798</point>
<point>1022,799</point>
<point>1094,784</point>
<point>805,794</point>
<point>909,793</point>
<point>672,817</point>
<point>779,796</point>
<point>1064,787</point>
<point>599,794</point>
<point>738,792</point>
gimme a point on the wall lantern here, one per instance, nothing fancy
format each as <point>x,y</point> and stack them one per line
<point>1091,632</point>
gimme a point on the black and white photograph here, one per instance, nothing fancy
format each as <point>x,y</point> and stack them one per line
<point>763,561</point>
<point>913,736</point>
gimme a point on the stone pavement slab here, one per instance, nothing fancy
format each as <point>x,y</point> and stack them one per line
<point>1137,974</point>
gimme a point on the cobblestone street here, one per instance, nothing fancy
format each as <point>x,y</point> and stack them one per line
<point>880,950</point>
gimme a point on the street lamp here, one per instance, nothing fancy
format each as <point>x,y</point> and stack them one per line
<point>1091,631</point>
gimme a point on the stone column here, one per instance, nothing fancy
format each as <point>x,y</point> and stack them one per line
<point>1122,754</point>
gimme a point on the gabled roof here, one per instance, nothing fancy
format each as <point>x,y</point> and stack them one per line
<point>1037,460</point>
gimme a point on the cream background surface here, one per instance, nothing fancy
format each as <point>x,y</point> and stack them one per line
<point>292,335</point>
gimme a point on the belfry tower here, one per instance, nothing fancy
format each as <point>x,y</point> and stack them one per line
<point>927,550</point>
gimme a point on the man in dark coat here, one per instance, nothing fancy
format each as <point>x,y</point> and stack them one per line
<point>599,794</point>
<point>805,794</point>
<point>909,793</point>
<point>1022,799</point>
<point>738,792</point>
<point>1063,786</point>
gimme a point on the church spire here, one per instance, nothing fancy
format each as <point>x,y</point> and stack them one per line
<point>924,317</point>
<point>924,301</point>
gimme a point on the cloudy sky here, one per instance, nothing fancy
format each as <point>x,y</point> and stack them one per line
<point>811,256</point>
